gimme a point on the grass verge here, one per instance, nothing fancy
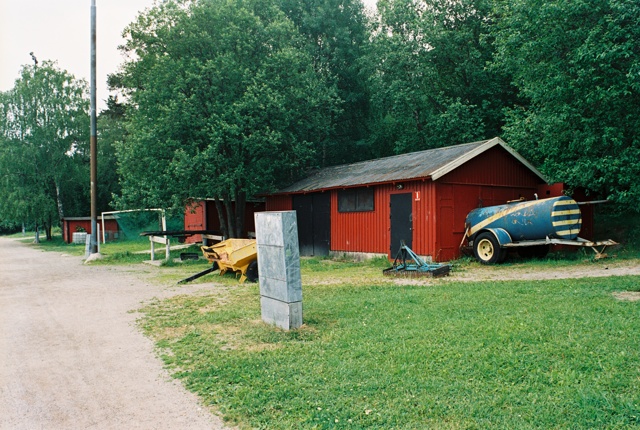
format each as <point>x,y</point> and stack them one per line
<point>372,354</point>
<point>538,354</point>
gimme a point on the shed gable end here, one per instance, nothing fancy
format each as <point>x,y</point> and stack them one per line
<point>495,166</point>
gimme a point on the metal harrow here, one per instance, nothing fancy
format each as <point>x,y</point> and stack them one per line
<point>408,264</point>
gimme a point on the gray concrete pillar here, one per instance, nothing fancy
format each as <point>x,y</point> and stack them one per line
<point>279,266</point>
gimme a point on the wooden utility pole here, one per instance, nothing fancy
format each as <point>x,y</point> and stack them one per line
<point>94,138</point>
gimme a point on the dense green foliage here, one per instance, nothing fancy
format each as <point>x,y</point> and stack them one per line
<point>337,38</point>
<point>228,104</point>
<point>559,81</point>
<point>228,99</point>
<point>577,67</point>
<point>111,130</point>
<point>44,127</point>
<point>519,354</point>
<point>430,83</point>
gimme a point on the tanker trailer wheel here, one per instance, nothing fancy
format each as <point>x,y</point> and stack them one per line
<point>487,249</point>
<point>252,271</point>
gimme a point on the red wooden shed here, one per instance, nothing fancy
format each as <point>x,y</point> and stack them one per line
<point>203,215</point>
<point>72,225</point>
<point>421,198</point>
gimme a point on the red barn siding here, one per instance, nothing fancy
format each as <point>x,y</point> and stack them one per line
<point>279,203</point>
<point>360,231</point>
<point>425,217</point>
<point>455,201</point>
<point>492,178</point>
<point>71,225</point>
<point>249,217</point>
<point>194,219</point>
<point>439,208</point>
<point>204,216</point>
<point>554,190</point>
<point>496,167</point>
<point>370,231</point>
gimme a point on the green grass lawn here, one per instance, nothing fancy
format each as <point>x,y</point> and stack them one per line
<point>113,252</point>
<point>373,354</point>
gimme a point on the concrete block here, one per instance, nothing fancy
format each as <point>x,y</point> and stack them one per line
<point>279,273</point>
<point>279,263</point>
<point>287,316</point>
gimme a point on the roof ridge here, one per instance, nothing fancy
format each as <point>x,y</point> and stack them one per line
<point>428,163</point>
<point>388,157</point>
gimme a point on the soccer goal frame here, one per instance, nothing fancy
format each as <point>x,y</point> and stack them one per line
<point>162,211</point>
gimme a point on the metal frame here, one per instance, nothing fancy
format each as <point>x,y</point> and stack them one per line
<point>409,263</point>
<point>164,219</point>
<point>577,242</point>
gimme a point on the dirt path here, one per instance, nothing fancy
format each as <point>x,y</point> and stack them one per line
<point>528,271</point>
<point>70,354</point>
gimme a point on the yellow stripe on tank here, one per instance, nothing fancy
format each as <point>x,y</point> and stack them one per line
<point>567,222</point>
<point>499,215</point>
<point>567,232</point>
<point>565,202</point>
<point>568,212</point>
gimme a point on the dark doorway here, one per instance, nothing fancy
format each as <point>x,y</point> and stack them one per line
<point>401,221</point>
<point>314,223</point>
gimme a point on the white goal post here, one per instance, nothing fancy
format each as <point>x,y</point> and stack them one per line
<point>164,219</point>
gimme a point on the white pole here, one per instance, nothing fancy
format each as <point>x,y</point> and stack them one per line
<point>166,238</point>
<point>104,240</point>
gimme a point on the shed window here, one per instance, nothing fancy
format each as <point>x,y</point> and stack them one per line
<point>355,200</point>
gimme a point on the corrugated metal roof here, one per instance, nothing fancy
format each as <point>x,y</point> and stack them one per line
<point>411,166</point>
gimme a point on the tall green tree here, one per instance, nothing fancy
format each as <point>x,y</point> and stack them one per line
<point>226,104</point>
<point>430,83</point>
<point>111,131</point>
<point>44,131</point>
<point>337,35</point>
<point>577,67</point>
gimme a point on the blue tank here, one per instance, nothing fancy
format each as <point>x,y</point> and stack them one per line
<point>557,217</point>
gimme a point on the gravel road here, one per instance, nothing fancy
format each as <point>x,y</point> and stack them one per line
<point>71,356</point>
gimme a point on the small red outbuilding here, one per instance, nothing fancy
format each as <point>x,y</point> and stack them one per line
<point>421,198</point>
<point>72,225</point>
<point>203,215</point>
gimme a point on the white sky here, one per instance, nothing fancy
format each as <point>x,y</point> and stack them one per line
<point>60,30</point>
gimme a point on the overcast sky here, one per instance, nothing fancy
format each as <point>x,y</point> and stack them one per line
<point>60,30</point>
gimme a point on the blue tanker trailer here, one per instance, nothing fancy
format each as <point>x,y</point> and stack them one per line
<point>528,226</point>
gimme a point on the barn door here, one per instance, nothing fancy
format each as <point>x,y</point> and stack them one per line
<point>314,223</point>
<point>401,221</point>
<point>321,223</point>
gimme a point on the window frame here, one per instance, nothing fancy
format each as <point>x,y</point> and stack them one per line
<point>361,199</point>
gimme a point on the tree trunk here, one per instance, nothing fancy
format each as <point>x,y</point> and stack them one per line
<point>241,199</point>
<point>37,233</point>
<point>47,229</point>
<point>228,205</point>
<point>221,217</point>
<point>59,201</point>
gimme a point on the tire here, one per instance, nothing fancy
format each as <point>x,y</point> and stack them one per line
<point>487,250</point>
<point>252,271</point>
